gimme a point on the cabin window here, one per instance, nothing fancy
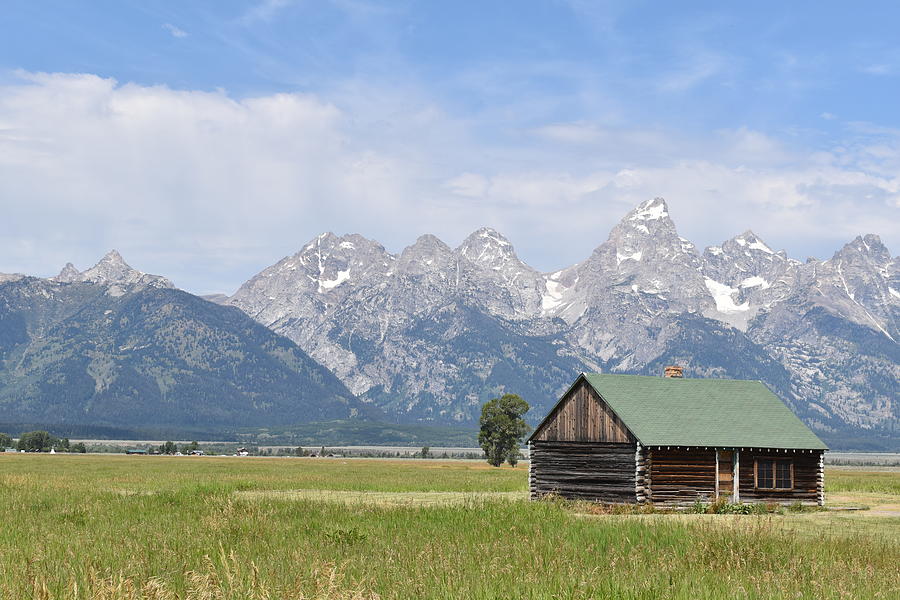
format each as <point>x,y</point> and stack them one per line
<point>772,474</point>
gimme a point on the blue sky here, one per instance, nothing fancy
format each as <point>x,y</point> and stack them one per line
<point>206,140</point>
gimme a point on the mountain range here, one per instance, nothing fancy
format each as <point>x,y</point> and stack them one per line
<point>430,333</point>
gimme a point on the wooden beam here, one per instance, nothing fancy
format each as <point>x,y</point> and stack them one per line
<point>717,473</point>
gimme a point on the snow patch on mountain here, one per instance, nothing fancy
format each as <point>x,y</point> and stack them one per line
<point>650,211</point>
<point>758,245</point>
<point>723,296</point>
<point>755,281</point>
<point>553,297</point>
<point>330,284</point>
<point>620,258</point>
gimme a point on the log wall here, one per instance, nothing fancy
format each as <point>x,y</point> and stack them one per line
<point>679,476</point>
<point>583,416</point>
<point>809,479</point>
<point>595,471</point>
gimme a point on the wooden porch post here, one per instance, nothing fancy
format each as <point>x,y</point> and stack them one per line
<point>736,462</point>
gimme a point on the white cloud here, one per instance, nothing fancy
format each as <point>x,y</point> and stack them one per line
<point>175,31</point>
<point>87,164</point>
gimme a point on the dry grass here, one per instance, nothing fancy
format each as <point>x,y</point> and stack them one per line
<point>226,578</point>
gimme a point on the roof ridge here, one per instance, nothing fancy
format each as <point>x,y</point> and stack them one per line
<point>658,378</point>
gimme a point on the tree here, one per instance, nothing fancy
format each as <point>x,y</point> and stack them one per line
<point>502,429</point>
<point>79,447</point>
<point>188,448</point>
<point>5,441</point>
<point>425,451</point>
<point>36,441</point>
<point>168,448</point>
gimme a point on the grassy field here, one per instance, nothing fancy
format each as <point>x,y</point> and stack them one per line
<point>115,527</point>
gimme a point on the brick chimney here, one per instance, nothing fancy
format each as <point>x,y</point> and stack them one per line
<point>674,371</point>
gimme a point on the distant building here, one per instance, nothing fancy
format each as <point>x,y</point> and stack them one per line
<point>135,451</point>
<point>670,440</point>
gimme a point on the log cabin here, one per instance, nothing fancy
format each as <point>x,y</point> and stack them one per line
<point>672,441</point>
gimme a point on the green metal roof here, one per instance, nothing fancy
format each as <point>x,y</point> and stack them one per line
<point>662,411</point>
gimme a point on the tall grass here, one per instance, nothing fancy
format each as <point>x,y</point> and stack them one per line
<point>151,528</point>
<point>838,479</point>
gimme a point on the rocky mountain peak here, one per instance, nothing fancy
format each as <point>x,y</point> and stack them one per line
<point>649,210</point>
<point>329,262</point>
<point>649,218</point>
<point>426,254</point>
<point>496,278</point>
<point>744,275</point>
<point>647,240</point>
<point>321,273</point>
<point>861,264</point>
<point>348,244</point>
<point>68,274</point>
<point>750,243</point>
<point>649,224</point>
<point>113,257</point>
<point>427,244</point>
<point>644,269</point>
<point>113,270</point>
<point>861,275</point>
<point>744,253</point>
<point>867,248</point>
<point>855,283</point>
<point>489,248</point>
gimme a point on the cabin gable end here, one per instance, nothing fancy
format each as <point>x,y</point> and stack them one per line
<point>582,415</point>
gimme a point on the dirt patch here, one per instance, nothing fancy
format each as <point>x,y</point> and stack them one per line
<point>885,510</point>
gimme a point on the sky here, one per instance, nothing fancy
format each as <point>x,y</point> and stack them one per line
<point>207,140</point>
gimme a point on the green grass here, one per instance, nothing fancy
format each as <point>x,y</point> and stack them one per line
<point>153,527</point>
<point>860,479</point>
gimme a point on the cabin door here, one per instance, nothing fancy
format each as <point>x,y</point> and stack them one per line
<point>725,476</point>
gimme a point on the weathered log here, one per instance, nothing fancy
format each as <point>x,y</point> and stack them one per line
<point>596,471</point>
